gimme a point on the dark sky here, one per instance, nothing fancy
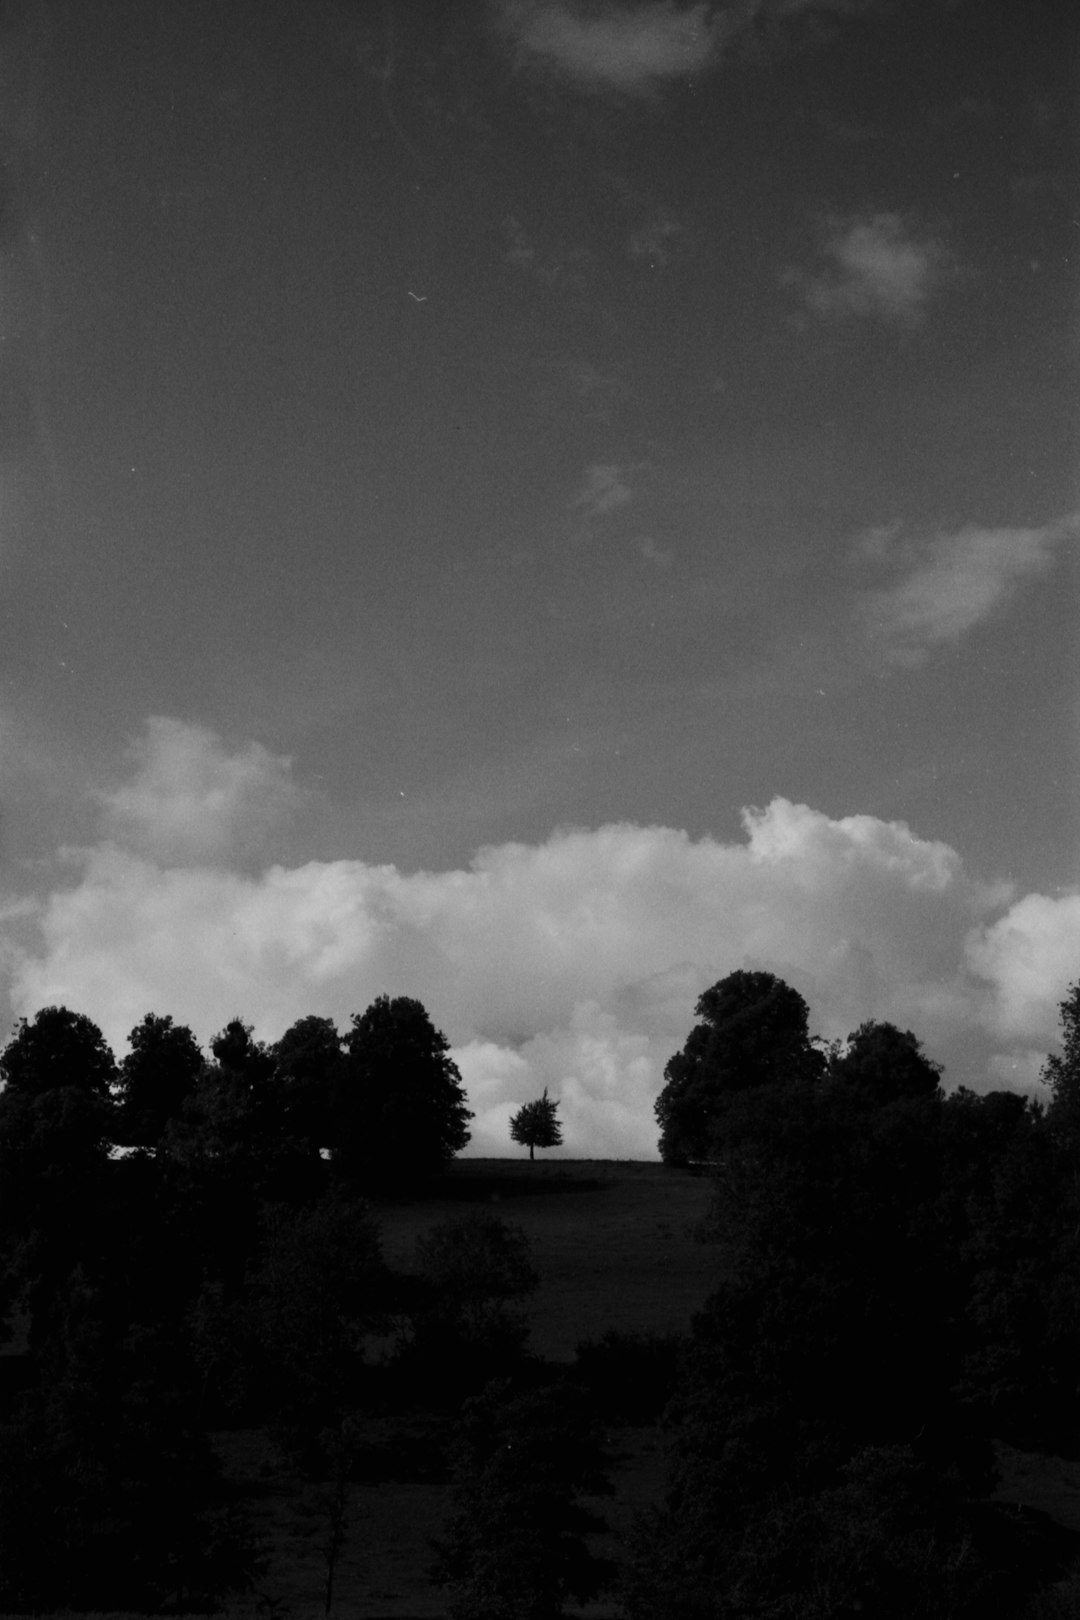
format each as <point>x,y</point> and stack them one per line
<point>428,429</point>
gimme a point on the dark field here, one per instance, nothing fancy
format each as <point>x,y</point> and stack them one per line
<point>614,1244</point>
<point>616,1248</point>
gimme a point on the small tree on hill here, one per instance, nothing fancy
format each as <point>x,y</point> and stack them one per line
<point>536,1126</point>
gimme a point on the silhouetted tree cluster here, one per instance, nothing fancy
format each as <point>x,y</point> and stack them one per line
<point>900,1292</point>
<point>225,1268</point>
<point>897,1290</point>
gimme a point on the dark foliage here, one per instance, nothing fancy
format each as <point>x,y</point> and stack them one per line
<point>753,1032</point>
<point>1061,1072</point>
<point>159,1073</point>
<point>110,1497</point>
<point>308,1062</point>
<point>513,1547</point>
<point>629,1377</point>
<point>894,1257</point>
<point>467,1324</point>
<point>400,1111</point>
<point>535,1125</point>
<point>288,1346</point>
<point>885,1063</point>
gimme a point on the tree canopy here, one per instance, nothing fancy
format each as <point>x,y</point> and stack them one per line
<point>1061,1071</point>
<point>536,1125</point>
<point>753,1032</point>
<point>161,1070</point>
<point>400,1107</point>
<point>885,1064</point>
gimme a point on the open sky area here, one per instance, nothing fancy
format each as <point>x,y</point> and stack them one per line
<point>534,505</point>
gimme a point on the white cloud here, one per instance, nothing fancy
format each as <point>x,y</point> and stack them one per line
<point>876,265</point>
<point>1029,956</point>
<point>630,48</point>
<point>604,489</point>
<point>951,583</point>
<point>190,799</point>
<point>574,963</point>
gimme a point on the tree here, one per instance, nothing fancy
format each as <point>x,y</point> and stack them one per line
<point>158,1074</point>
<point>58,1051</point>
<point>400,1109</point>
<point>535,1125</point>
<point>513,1547</point>
<point>308,1061</point>
<point>467,1321</point>
<point>753,1033</point>
<point>1061,1071</point>
<point>885,1064</point>
<point>110,1497</point>
<point>55,1129</point>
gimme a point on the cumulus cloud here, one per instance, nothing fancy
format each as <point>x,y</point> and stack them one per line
<point>950,583</point>
<point>604,489</point>
<point>636,46</point>
<point>1029,955</point>
<point>189,799</point>
<point>574,963</point>
<point>615,46</point>
<point>874,265</point>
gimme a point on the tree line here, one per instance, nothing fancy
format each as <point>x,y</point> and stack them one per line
<point>897,1292</point>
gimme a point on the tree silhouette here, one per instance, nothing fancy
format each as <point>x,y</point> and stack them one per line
<point>400,1109</point>
<point>1061,1071</point>
<point>110,1497</point>
<point>468,1324</point>
<point>885,1064</point>
<point>513,1544</point>
<point>56,1122</point>
<point>308,1063</point>
<point>158,1074</point>
<point>535,1125</point>
<point>753,1033</point>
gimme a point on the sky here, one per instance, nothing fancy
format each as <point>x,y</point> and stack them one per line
<point>536,505</point>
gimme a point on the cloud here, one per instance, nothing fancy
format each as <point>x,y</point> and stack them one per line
<point>559,269</point>
<point>603,490</point>
<point>573,963</point>
<point>630,48</point>
<point>1029,956</point>
<point>659,556</point>
<point>951,583</point>
<point>191,800</point>
<point>876,266</point>
<point>654,240</point>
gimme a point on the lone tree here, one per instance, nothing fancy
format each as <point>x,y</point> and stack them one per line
<point>536,1126</point>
